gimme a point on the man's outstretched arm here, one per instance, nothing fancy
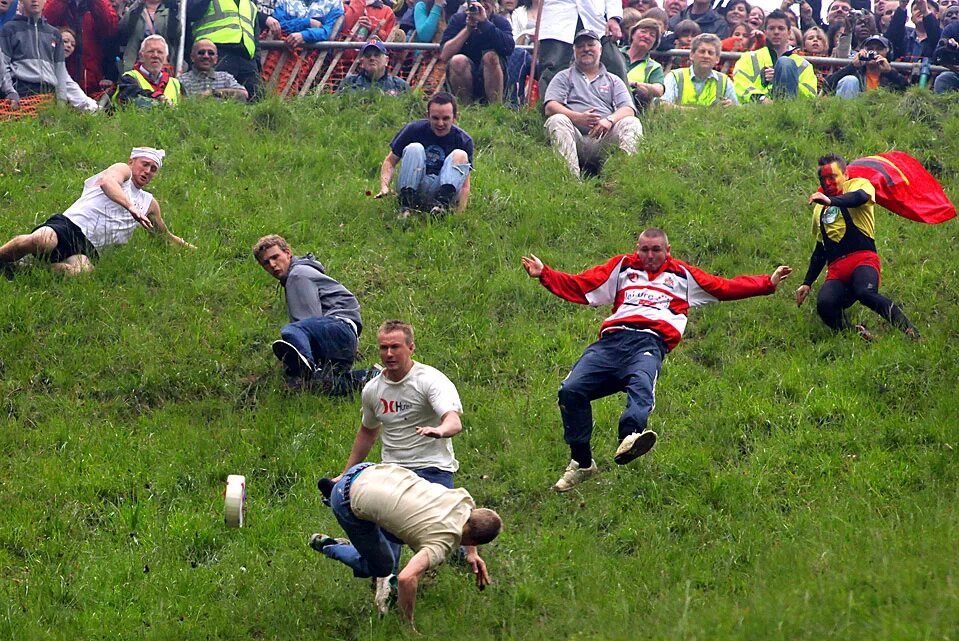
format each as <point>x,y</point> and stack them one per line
<point>111,182</point>
<point>386,173</point>
<point>407,582</point>
<point>156,222</point>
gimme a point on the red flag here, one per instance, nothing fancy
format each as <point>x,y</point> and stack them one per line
<point>904,187</point>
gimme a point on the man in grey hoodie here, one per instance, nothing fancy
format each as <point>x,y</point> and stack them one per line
<point>319,343</point>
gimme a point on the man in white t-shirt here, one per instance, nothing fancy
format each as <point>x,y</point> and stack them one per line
<point>113,204</point>
<point>415,410</point>
<point>370,500</point>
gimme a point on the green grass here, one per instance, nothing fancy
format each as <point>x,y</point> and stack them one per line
<point>804,486</point>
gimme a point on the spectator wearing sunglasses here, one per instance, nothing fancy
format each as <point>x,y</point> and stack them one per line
<point>203,80</point>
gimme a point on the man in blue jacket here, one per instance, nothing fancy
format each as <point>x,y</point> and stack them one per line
<point>475,46</point>
<point>319,343</point>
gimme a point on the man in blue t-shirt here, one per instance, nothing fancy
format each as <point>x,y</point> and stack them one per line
<point>475,47</point>
<point>437,159</point>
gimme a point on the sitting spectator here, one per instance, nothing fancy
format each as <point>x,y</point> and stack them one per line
<point>302,23</point>
<point>232,28</point>
<point>700,84</point>
<point>744,38</point>
<point>8,9</point>
<point>437,159</point>
<point>373,73</point>
<point>737,11</point>
<point>34,57</point>
<point>318,344</point>
<point>645,75</point>
<point>149,84</point>
<point>374,17</point>
<point>113,204</point>
<point>950,14</point>
<point>589,109</point>
<point>701,12</point>
<point>144,18</point>
<point>795,38</point>
<point>947,54</point>
<point>203,80</point>
<point>95,24</point>
<point>869,69</point>
<point>774,70</point>
<point>914,43</point>
<point>756,18</point>
<point>6,84</point>
<point>815,43</point>
<point>523,21</point>
<point>475,47</point>
<point>666,37</point>
<point>426,19</point>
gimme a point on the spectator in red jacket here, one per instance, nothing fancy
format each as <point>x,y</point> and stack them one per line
<point>95,23</point>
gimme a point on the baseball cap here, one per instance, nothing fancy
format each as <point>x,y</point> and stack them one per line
<point>879,40</point>
<point>374,44</point>
<point>585,33</point>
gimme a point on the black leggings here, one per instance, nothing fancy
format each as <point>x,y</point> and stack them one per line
<point>835,297</point>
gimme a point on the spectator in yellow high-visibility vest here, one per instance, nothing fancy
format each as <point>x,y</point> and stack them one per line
<point>776,70</point>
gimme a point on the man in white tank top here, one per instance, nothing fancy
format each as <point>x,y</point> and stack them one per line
<point>113,204</point>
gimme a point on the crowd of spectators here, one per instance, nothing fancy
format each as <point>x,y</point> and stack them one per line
<point>84,50</point>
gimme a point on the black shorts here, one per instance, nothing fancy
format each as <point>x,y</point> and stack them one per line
<point>70,240</point>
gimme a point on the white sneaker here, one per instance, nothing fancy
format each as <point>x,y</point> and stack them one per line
<point>574,475</point>
<point>634,446</point>
<point>383,597</point>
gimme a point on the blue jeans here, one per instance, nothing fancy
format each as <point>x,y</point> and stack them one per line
<point>329,344</point>
<point>368,553</point>
<point>946,81</point>
<point>785,78</point>
<point>413,175</point>
<point>849,87</point>
<point>620,361</point>
<point>433,475</point>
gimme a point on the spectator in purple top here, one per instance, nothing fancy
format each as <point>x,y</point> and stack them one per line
<point>701,12</point>
<point>947,54</point>
<point>920,42</point>
<point>475,46</point>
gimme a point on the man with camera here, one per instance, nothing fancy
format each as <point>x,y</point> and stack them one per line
<point>475,47</point>
<point>868,70</point>
<point>947,54</point>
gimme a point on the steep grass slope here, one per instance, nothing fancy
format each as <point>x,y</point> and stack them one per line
<point>804,486</point>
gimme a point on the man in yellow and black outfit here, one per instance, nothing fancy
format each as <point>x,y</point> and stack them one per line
<point>844,226</point>
<point>231,26</point>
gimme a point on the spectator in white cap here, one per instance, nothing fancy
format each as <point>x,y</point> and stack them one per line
<point>589,110</point>
<point>113,204</point>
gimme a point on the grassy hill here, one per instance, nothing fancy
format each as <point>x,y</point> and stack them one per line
<point>804,487</point>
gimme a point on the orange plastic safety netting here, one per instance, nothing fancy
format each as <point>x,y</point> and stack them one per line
<point>28,106</point>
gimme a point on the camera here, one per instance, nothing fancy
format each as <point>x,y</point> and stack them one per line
<point>473,7</point>
<point>947,53</point>
<point>869,56</point>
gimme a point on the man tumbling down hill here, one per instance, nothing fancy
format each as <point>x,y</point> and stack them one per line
<point>651,293</point>
<point>113,204</point>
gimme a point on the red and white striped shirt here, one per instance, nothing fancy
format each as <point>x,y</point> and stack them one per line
<point>654,302</point>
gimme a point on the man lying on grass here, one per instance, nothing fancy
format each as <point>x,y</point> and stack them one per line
<point>113,204</point>
<point>651,293</point>
<point>370,499</point>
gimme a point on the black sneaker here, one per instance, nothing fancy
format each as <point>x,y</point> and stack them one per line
<point>7,269</point>
<point>294,362</point>
<point>445,195</point>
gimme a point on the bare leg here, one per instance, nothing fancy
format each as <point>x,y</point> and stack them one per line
<point>460,74</point>
<point>74,265</point>
<point>42,241</point>
<point>492,77</point>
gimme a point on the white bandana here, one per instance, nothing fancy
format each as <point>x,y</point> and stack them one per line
<point>156,155</point>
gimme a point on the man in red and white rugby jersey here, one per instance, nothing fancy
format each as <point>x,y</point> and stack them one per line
<point>651,293</point>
